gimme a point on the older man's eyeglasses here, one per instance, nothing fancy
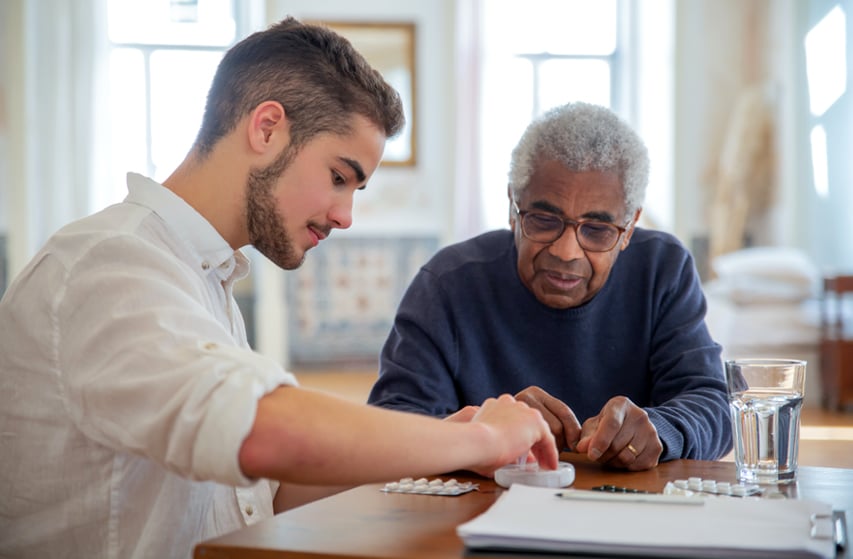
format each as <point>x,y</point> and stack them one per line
<point>593,236</point>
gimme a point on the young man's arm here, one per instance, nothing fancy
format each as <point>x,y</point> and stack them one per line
<point>308,437</point>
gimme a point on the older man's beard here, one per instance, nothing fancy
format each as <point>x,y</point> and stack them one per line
<point>266,226</point>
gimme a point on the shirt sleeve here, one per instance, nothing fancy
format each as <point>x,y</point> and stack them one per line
<point>148,369</point>
<point>420,352</point>
<point>689,406</point>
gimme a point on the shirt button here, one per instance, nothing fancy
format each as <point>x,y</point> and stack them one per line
<point>205,266</point>
<point>250,510</point>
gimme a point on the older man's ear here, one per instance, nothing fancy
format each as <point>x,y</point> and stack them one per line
<point>626,240</point>
<point>509,207</point>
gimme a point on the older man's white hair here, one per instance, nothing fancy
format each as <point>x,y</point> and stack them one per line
<point>583,137</point>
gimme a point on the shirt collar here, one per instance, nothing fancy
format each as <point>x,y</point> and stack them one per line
<point>213,252</point>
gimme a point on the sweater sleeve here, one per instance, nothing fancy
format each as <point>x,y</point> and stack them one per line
<point>689,406</point>
<point>419,354</point>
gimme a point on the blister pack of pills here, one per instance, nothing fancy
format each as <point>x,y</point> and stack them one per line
<point>423,486</point>
<point>698,485</point>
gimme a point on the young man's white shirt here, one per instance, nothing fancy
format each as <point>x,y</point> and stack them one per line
<point>127,387</point>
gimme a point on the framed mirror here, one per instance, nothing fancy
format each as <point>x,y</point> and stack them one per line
<point>390,48</point>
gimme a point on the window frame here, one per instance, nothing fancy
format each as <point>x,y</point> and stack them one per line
<point>621,75</point>
<point>246,15</point>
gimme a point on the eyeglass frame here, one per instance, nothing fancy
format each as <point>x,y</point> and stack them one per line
<point>575,224</point>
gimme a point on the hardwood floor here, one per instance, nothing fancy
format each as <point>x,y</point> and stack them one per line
<point>826,438</point>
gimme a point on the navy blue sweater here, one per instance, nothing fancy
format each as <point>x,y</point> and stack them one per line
<point>467,329</point>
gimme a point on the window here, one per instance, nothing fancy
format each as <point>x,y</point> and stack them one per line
<point>550,53</point>
<point>828,52</point>
<point>826,69</point>
<point>616,53</point>
<point>163,56</point>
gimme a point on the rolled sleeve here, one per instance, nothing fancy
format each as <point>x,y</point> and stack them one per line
<point>228,410</point>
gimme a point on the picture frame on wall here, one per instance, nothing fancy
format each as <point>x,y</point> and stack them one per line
<point>390,48</point>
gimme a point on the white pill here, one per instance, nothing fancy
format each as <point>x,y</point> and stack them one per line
<point>774,494</point>
<point>738,490</point>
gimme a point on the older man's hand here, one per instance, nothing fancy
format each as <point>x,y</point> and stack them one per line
<point>621,435</point>
<point>560,418</point>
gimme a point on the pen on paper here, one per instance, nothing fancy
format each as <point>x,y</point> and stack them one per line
<point>581,495</point>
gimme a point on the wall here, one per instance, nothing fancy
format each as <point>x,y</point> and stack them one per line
<point>719,53</point>
<point>823,225</point>
<point>5,15</point>
<point>722,47</point>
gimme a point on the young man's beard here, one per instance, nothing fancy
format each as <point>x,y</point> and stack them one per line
<point>266,226</point>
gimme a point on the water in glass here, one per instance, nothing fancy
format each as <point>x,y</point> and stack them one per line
<point>766,424</point>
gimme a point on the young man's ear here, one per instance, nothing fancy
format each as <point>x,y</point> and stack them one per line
<point>269,130</point>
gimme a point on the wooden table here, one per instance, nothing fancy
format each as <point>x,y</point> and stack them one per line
<point>366,522</point>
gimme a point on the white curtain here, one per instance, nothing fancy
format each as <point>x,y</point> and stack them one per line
<point>54,57</point>
<point>468,218</point>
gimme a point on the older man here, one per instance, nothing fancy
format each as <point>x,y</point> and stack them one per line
<point>594,321</point>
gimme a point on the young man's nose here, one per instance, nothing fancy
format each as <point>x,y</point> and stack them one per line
<point>340,214</point>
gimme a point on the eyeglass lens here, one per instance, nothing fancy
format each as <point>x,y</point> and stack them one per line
<point>546,228</point>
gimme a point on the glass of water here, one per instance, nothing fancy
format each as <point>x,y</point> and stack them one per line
<point>765,399</point>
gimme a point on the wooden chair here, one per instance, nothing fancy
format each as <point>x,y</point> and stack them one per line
<point>836,346</point>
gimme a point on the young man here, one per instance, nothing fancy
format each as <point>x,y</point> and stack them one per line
<point>134,419</point>
<point>593,321</point>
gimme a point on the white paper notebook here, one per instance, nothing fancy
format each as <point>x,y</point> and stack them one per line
<point>535,518</point>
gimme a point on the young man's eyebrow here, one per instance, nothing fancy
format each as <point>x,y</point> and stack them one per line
<point>356,167</point>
